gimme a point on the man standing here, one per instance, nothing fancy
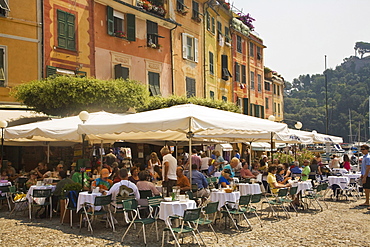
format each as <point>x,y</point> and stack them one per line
<point>169,166</point>
<point>365,174</point>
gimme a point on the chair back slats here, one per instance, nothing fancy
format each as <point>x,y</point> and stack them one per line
<point>282,192</point>
<point>130,204</point>
<point>194,188</point>
<point>144,194</point>
<point>256,198</point>
<point>191,214</point>
<point>4,188</point>
<point>190,194</point>
<point>211,208</point>
<point>40,193</point>
<point>154,201</point>
<point>245,200</point>
<point>293,190</point>
<point>103,200</point>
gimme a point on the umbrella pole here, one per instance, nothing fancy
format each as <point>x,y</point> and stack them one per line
<point>48,153</point>
<point>250,154</point>
<point>101,155</point>
<point>190,135</point>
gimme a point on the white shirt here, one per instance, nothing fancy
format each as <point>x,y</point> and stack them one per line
<point>172,166</point>
<point>205,162</point>
<point>114,190</point>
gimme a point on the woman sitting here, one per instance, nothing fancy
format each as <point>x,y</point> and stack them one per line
<point>271,180</point>
<point>144,184</point>
<point>280,178</point>
<point>225,177</point>
<point>245,172</point>
<point>134,178</point>
<point>32,180</point>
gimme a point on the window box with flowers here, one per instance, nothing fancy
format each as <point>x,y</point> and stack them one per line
<point>149,6</point>
<point>247,20</point>
<point>120,34</point>
<point>154,46</point>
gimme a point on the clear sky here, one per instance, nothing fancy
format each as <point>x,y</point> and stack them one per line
<point>299,33</point>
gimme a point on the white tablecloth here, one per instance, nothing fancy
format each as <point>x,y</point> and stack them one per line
<point>340,170</point>
<point>217,174</point>
<point>49,180</point>
<point>222,197</point>
<point>38,187</point>
<point>351,175</point>
<point>86,197</point>
<point>249,189</point>
<point>341,181</point>
<point>175,208</point>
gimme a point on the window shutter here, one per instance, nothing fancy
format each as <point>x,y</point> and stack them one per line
<point>50,70</point>
<point>245,106</point>
<point>184,46</point>
<point>71,44</point>
<point>244,77</point>
<point>117,71</point>
<point>195,50</point>
<point>208,21</point>
<point>110,21</point>
<point>62,28</point>
<point>131,27</point>
<point>237,72</point>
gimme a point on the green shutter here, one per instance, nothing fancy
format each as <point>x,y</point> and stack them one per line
<point>50,70</point>
<point>62,29</point>
<point>110,21</point>
<point>131,27</point>
<point>245,106</point>
<point>117,71</point>
<point>71,43</point>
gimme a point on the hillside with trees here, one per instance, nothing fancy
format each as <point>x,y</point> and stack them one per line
<point>348,95</point>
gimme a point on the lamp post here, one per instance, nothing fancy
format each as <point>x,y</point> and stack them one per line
<point>298,126</point>
<point>3,125</point>
<point>84,115</point>
<point>272,118</point>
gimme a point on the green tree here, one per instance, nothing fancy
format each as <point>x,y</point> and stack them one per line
<point>66,95</point>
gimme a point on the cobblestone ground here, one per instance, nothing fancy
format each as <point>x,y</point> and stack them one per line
<point>342,224</point>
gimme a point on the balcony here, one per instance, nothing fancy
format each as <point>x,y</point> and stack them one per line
<point>153,6</point>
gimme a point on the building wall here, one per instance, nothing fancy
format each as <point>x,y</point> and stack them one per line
<point>81,58</point>
<point>20,38</point>
<point>136,55</point>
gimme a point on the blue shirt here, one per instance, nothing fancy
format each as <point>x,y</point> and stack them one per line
<point>365,163</point>
<point>237,155</point>
<point>199,179</point>
<point>228,166</point>
<point>223,179</point>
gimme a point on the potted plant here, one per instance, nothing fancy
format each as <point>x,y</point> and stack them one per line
<point>120,34</point>
<point>247,20</point>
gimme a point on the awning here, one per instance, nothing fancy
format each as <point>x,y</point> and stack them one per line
<point>226,147</point>
<point>17,117</point>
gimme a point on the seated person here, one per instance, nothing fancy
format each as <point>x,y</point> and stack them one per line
<point>224,178</point>
<point>200,180</point>
<point>182,181</point>
<point>245,172</point>
<point>123,189</point>
<point>233,164</point>
<point>41,170</point>
<point>64,180</point>
<point>256,168</point>
<point>134,178</point>
<point>295,169</point>
<point>32,180</point>
<point>212,168</point>
<point>271,180</point>
<point>280,178</point>
<point>104,183</point>
<point>144,184</point>
<point>77,178</point>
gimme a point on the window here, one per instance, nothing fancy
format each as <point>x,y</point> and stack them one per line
<point>66,30</point>
<point>224,68</point>
<point>219,28</point>
<point>267,103</point>
<point>244,75</point>
<point>251,49</point>
<point>227,35</point>
<point>274,88</point>
<point>256,110</point>
<point>246,107</point>
<point>54,71</point>
<point>279,109</point>
<point>237,72</point>
<point>121,25</point>
<point>154,84</point>
<point>239,44</point>
<point>212,94</point>
<point>180,6</point>
<point>274,107</point>
<point>211,67</point>
<point>252,80</point>
<point>121,72</point>
<point>267,86</point>
<point>2,67</point>
<point>213,25</point>
<point>152,33</point>
<point>190,87</point>
<point>4,7</point>
<point>224,98</point>
<point>278,90</point>
<point>208,21</point>
<point>259,53</point>
<point>189,47</point>
<point>259,82</point>
<point>195,13</point>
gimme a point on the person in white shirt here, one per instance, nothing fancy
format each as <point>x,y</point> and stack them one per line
<point>123,189</point>
<point>169,166</point>
<point>205,163</point>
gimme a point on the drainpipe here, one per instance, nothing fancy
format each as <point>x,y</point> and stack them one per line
<point>172,61</point>
<point>249,80</point>
<point>40,39</point>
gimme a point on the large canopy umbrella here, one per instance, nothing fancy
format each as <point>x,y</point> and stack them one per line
<point>317,137</point>
<point>182,122</point>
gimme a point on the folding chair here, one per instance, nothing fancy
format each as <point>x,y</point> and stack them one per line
<point>292,193</point>
<point>314,196</point>
<point>131,206</point>
<point>18,199</point>
<point>41,198</point>
<point>190,215</point>
<point>209,209</point>
<point>90,213</point>
<point>241,210</point>
<point>71,205</point>
<point>4,195</point>
<point>277,201</point>
<point>21,184</point>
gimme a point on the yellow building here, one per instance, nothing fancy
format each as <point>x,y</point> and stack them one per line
<point>217,51</point>
<point>68,35</point>
<point>20,45</point>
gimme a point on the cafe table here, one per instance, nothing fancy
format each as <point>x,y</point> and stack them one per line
<point>352,175</point>
<point>173,208</point>
<point>341,181</point>
<point>84,197</point>
<point>38,187</point>
<point>303,186</point>
<point>223,197</point>
<point>340,170</point>
<point>249,189</point>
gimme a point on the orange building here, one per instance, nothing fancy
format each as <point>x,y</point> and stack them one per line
<point>68,35</point>
<point>133,40</point>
